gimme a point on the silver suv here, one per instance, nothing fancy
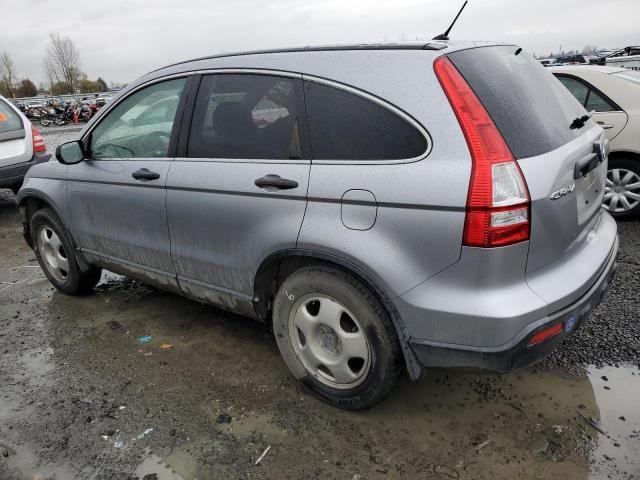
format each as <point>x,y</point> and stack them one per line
<point>382,207</point>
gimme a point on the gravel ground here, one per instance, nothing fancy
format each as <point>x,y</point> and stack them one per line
<point>612,335</point>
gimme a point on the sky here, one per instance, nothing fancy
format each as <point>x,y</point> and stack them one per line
<point>120,40</point>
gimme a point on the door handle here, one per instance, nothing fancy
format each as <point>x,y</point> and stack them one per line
<point>145,174</point>
<point>275,181</point>
<point>604,125</point>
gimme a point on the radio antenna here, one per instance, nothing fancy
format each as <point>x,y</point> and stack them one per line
<point>445,35</point>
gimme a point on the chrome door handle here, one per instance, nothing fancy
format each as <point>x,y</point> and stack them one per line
<point>606,126</point>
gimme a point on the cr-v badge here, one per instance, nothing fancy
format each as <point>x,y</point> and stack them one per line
<point>563,192</point>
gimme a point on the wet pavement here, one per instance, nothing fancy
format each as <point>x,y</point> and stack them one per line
<point>83,396</point>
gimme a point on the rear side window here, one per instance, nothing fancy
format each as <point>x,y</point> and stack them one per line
<point>9,119</point>
<point>586,95</point>
<point>346,126</point>
<point>530,107</point>
<point>245,116</point>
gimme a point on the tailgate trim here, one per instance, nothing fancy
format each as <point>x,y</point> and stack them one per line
<point>12,134</point>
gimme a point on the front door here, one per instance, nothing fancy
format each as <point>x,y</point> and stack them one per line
<point>237,191</point>
<point>117,196</point>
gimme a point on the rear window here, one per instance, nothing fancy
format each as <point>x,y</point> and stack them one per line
<point>9,119</point>
<point>630,75</point>
<point>530,107</point>
<point>346,126</point>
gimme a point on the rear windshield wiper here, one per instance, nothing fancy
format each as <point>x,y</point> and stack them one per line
<point>580,121</point>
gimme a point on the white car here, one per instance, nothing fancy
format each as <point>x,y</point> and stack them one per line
<point>21,146</point>
<point>614,95</point>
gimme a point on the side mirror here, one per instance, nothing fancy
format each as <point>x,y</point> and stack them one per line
<point>70,153</point>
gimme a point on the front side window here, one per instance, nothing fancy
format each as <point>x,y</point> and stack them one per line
<point>346,126</point>
<point>245,116</point>
<point>140,125</point>
<point>9,119</point>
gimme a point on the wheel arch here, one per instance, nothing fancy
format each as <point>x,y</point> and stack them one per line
<point>620,154</point>
<point>30,202</point>
<point>278,266</point>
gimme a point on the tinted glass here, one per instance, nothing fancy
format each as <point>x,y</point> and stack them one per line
<point>577,88</point>
<point>245,116</point>
<point>597,102</point>
<point>346,126</point>
<point>140,125</point>
<point>530,107</point>
<point>9,119</point>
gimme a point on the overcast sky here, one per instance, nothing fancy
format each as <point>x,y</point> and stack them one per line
<point>120,40</point>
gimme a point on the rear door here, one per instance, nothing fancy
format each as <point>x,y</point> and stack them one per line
<point>14,144</point>
<point>117,196</point>
<point>237,191</point>
<point>562,164</point>
<point>607,114</point>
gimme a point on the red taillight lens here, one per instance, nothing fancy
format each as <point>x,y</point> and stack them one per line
<point>498,200</point>
<point>38,141</point>
<point>545,334</point>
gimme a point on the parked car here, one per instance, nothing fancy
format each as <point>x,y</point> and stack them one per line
<point>21,146</point>
<point>572,59</point>
<point>383,207</point>
<point>548,62</point>
<point>614,95</point>
<point>628,57</point>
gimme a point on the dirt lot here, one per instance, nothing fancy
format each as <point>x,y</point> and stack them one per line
<point>82,398</point>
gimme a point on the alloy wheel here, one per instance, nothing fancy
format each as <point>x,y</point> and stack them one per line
<point>622,190</point>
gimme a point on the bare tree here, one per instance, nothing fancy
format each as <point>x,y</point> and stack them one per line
<point>7,74</point>
<point>62,62</point>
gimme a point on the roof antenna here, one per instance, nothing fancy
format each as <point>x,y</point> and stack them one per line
<point>445,35</point>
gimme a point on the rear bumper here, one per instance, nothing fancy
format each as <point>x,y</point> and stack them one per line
<point>517,353</point>
<point>14,174</point>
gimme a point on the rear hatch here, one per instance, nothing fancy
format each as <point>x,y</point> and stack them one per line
<point>13,144</point>
<point>562,165</point>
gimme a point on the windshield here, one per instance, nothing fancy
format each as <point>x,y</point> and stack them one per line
<point>631,75</point>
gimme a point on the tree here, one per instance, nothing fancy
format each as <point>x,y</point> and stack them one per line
<point>62,62</point>
<point>7,75</point>
<point>26,88</point>
<point>103,84</point>
<point>61,88</point>
<point>89,86</point>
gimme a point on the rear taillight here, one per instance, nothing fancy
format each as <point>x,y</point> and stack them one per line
<point>498,200</point>
<point>38,141</point>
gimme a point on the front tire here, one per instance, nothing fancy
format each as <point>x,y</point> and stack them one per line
<point>45,122</point>
<point>336,337</point>
<point>622,191</point>
<point>57,257</point>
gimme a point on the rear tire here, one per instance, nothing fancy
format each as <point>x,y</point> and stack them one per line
<point>620,169</point>
<point>57,257</point>
<point>350,356</point>
<point>45,122</point>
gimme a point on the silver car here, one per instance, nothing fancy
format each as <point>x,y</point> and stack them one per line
<point>385,208</point>
<point>21,146</point>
